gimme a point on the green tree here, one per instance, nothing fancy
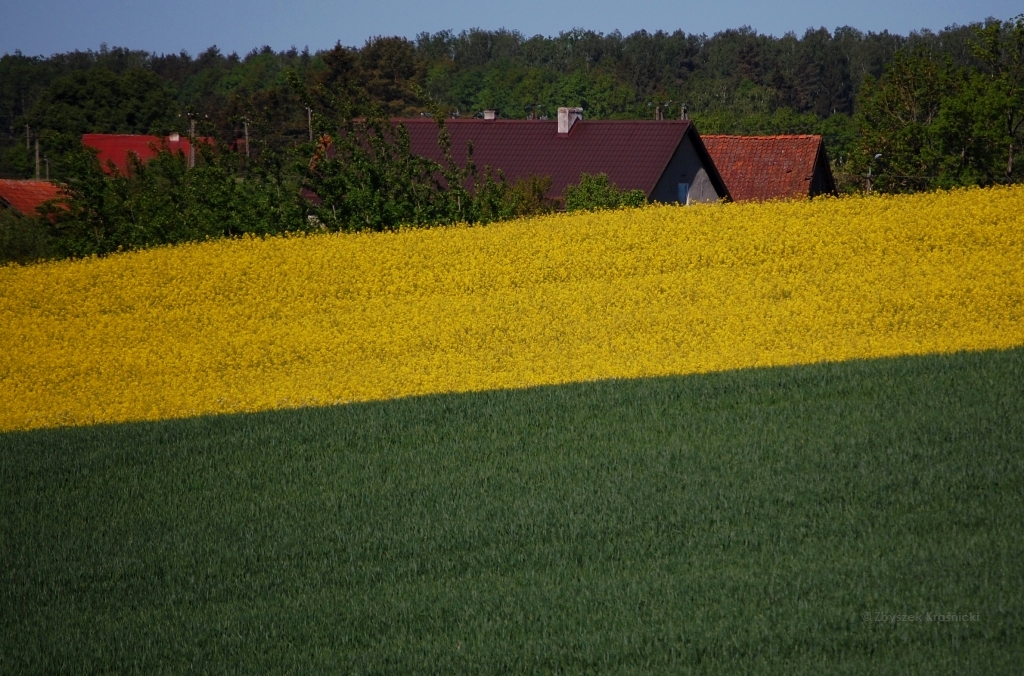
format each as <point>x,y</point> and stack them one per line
<point>929,123</point>
<point>389,69</point>
<point>99,100</point>
<point>898,121</point>
<point>366,178</point>
<point>1000,46</point>
<point>163,201</point>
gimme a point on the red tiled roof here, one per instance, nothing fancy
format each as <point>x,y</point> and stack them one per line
<point>633,154</point>
<point>25,196</point>
<point>765,167</point>
<point>115,147</point>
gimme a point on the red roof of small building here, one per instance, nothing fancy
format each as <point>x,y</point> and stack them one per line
<point>632,153</point>
<point>25,196</point>
<point>115,147</point>
<point>766,167</point>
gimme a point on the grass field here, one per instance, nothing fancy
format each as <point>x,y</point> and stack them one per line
<point>739,522</point>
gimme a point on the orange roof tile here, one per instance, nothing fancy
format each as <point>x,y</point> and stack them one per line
<point>25,196</point>
<point>767,167</point>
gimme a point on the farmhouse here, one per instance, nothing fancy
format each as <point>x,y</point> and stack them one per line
<point>665,159</point>
<point>115,148</point>
<point>24,197</point>
<point>772,167</point>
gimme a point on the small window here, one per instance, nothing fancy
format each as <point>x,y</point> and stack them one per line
<point>684,193</point>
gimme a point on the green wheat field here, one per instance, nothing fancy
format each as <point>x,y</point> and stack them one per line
<point>863,517</point>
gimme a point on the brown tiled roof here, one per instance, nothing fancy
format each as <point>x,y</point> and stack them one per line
<point>766,167</point>
<point>633,154</point>
<point>115,147</point>
<point>25,196</point>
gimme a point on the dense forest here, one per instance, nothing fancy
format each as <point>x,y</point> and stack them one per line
<point>926,110</point>
<point>734,81</point>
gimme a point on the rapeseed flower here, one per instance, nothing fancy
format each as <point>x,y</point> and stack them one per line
<point>256,324</point>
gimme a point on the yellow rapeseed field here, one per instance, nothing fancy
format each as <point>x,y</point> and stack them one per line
<point>255,324</point>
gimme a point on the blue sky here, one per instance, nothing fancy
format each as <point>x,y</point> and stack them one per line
<point>49,26</point>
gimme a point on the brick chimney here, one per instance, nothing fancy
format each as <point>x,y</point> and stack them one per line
<point>567,117</point>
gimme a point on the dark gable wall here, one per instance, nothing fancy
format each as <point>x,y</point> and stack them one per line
<point>684,167</point>
<point>822,182</point>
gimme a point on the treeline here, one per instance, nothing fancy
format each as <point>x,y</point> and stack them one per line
<point>736,81</point>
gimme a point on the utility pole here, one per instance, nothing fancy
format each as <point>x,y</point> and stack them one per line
<point>309,121</point>
<point>28,134</point>
<point>37,159</point>
<point>191,141</point>
<point>245,124</point>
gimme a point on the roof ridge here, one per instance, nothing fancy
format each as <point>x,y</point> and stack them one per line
<point>760,136</point>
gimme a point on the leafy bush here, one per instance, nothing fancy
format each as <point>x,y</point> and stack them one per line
<point>598,192</point>
<point>496,199</point>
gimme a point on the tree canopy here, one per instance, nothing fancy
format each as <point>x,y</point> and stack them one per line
<point>736,81</point>
<point>928,122</point>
